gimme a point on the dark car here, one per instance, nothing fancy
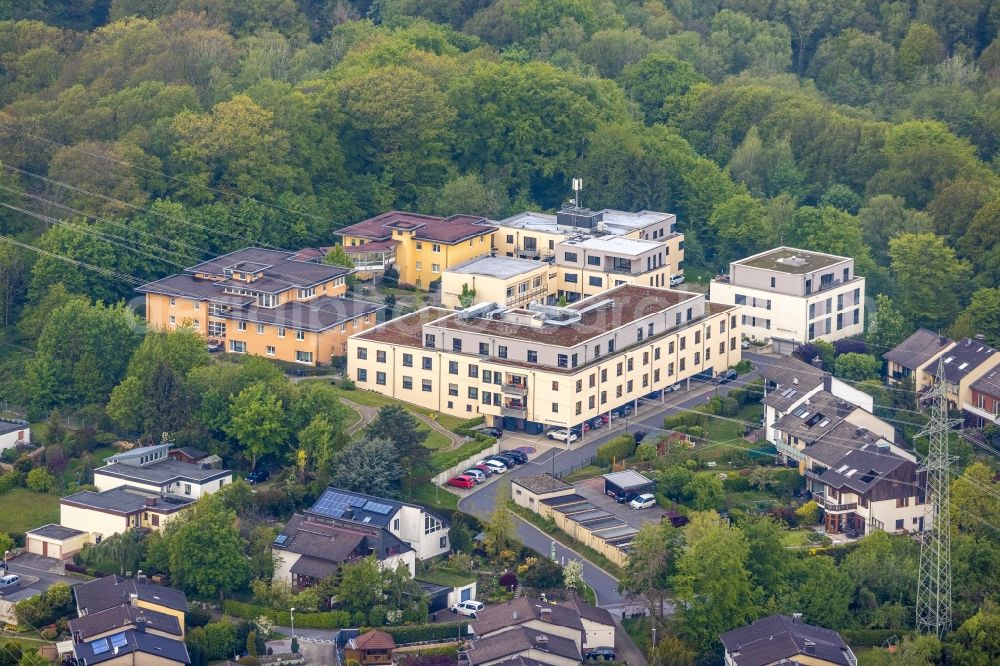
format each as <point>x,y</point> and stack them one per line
<point>727,376</point>
<point>596,422</point>
<point>257,476</point>
<point>485,469</point>
<point>495,433</point>
<point>625,496</point>
<point>676,519</point>
<point>519,456</point>
<point>504,458</point>
<point>596,654</point>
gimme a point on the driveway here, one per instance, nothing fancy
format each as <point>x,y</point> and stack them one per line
<point>593,490</point>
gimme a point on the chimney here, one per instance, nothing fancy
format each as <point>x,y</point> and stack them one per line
<point>133,599</point>
<point>810,647</point>
<point>140,624</point>
<point>797,618</point>
<point>795,381</point>
<point>943,340</point>
<point>980,337</point>
<point>77,636</point>
<point>817,362</point>
<point>547,614</point>
<point>150,501</point>
<point>542,640</point>
<point>140,577</point>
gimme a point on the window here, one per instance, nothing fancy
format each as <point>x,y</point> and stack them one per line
<point>590,402</point>
<point>173,301</point>
<point>486,397</point>
<point>270,350</point>
<point>362,375</point>
<point>452,367</point>
<point>555,407</point>
<point>812,331</point>
<point>604,397</point>
<point>407,360</point>
<point>618,391</point>
<point>510,238</point>
<point>690,313</point>
<point>532,356</point>
<point>899,524</point>
<point>656,375</point>
<point>773,281</point>
<point>237,347</point>
<point>304,357</point>
<point>430,340</point>
<point>628,386</point>
<point>419,245</point>
<point>722,347</point>
<point>670,347</point>
<point>420,266</point>
<point>732,343</point>
<point>812,310</point>
<point>677,319</point>
<point>629,364</point>
<point>484,349</point>
<point>570,256</point>
<point>618,369</point>
<point>697,358</point>
<point>611,346</point>
<point>407,382</point>
<point>427,363</point>
<point>380,378</point>
<point>562,361</point>
<point>574,361</point>
<point>593,380</point>
<point>435,248</point>
<point>435,268</point>
<point>456,344</point>
<point>241,326</point>
<point>645,358</point>
<point>570,277</point>
<point>670,369</point>
<point>697,337</point>
<point>902,502</point>
<point>536,283</point>
<point>307,293</point>
<point>187,488</point>
<point>453,390</point>
<point>473,371</point>
<point>425,385</point>
<point>857,315</point>
<point>281,331</point>
<point>579,407</point>
<point>604,374</point>
<point>638,333</point>
<point>656,354</point>
<point>173,319</point>
<point>579,385</point>
<point>741,299</point>
<point>216,329</point>
<point>840,301</point>
<point>363,353</point>
<point>488,376</point>
<point>380,355</point>
<point>595,281</point>
<point>840,320</point>
<point>683,341</point>
<point>473,393</point>
<point>502,351</point>
<point>649,330</point>
<point>597,350</point>
<point>300,335</point>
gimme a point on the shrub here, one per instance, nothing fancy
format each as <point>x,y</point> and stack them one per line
<point>40,480</point>
<point>347,384</point>
<point>808,513</point>
<point>196,617</point>
<point>730,407</point>
<point>420,633</point>
<point>743,367</point>
<point>324,620</point>
<point>466,428</point>
<point>619,448</point>
<point>10,480</point>
<point>508,580</point>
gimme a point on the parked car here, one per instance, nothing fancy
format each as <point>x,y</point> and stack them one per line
<point>495,466</point>
<point>462,481</point>
<point>676,519</point>
<point>563,435</point>
<point>599,653</point>
<point>643,501</point>
<point>745,344</point>
<point>676,280</point>
<point>623,496</point>
<point>469,608</point>
<point>478,475</point>
<point>492,432</point>
<point>507,461</point>
<point>213,347</point>
<point>485,469</point>
<point>596,423</point>
<point>256,476</point>
<point>670,389</point>
<point>10,580</point>
<point>520,456</point>
<point>727,376</point>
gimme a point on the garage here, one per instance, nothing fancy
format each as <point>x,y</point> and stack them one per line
<point>55,541</point>
<point>627,483</point>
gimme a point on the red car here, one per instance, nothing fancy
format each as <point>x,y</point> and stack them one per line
<point>462,481</point>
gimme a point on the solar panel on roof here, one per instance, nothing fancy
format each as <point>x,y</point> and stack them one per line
<point>100,646</point>
<point>376,507</point>
<point>357,502</point>
<point>118,640</point>
<point>281,539</point>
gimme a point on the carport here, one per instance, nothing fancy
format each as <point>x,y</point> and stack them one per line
<point>628,481</point>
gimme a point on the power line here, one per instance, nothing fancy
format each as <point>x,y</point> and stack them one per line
<point>161,173</point>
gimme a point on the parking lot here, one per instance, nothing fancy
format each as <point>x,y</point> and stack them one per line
<point>593,490</point>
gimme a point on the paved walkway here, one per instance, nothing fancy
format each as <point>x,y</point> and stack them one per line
<point>456,439</point>
<point>367,413</point>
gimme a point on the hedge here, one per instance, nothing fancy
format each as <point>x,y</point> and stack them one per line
<point>868,637</point>
<point>419,633</point>
<point>619,448</point>
<point>467,427</point>
<point>324,620</point>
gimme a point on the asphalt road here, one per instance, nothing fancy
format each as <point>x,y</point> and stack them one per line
<point>480,501</point>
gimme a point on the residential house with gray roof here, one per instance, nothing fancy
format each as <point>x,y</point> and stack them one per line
<point>780,639</point>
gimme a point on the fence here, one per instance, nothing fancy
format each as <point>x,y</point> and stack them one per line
<point>592,460</point>
<point>442,477</point>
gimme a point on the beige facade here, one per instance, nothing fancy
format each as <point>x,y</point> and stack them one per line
<point>548,366</point>
<point>529,491</point>
<point>58,546</point>
<point>510,281</point>
<point>794,295</point>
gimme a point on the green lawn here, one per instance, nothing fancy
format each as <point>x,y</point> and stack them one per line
<point>587,472</point>
<point>430,495</point>
<point>22,510</point>
<point>372,399</point>
<point>444,459</point>
<point>726,430</point>
<point>447,577</point>
<point>795,539</point>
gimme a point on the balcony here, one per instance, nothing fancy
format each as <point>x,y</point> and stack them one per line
<point>830,506</point>
<point>982,413</point>
<point>516,389</point>
<point>514,411</point>
<point>788,450</point>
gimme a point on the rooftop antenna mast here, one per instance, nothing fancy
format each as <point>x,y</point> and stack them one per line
<point>934,583</point>
<point>577,188</point>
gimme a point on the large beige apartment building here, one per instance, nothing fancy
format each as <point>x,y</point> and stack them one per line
<point>547,366</point>
<point>791,296</point>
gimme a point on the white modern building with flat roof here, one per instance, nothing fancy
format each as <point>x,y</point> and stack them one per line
<point>791,296</point>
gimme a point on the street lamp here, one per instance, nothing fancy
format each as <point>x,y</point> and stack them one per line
<point>291,613</point>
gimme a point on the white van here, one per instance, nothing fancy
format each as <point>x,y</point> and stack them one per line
<point>676,280</point>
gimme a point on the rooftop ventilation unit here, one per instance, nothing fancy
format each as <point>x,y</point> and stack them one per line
<point>792,261</point>
<point>480,310</point>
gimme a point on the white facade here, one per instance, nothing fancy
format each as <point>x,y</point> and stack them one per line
<point>180,487</point>
<point>794,295</point>
<point>14,432</point>
<point>837,388</point>
<point>425,533</point>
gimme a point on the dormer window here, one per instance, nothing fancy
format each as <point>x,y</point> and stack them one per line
<point>267,300</point>
<point>307,293</point>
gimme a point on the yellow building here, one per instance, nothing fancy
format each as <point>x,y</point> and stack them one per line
<point>420,247</point>
<point>263,302</point>
<point>547,366</point>
<point>506,280</point>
